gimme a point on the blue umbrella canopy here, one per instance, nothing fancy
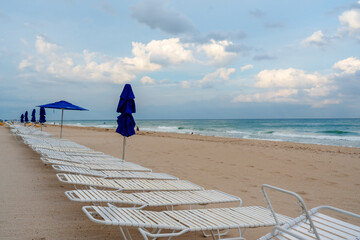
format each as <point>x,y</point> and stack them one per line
<point>63,105</point>
<point>22,118</point>
<point>33,119</point>
<point>42,118</point>
<point>126,106</point>
<point>26,117</point>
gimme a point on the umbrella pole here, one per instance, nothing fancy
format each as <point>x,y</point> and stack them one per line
<point>124,142</point>
<point>41,126</point>
<point>62,117</point>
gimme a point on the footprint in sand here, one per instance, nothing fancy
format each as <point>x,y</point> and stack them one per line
<point>311,179</point>
<point>342,175</point>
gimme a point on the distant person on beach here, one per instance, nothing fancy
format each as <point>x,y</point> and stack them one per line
<point>137,128</point>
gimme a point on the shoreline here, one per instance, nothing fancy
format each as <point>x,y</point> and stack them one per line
<point>333,133</point>
<point>199,137</point>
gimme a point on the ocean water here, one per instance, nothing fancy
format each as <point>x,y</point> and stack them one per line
<point>336,132</point>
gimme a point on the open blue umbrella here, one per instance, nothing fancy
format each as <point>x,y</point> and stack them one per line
<point>126,122</point>
<point>22,118</point>
<point>33,119</point>
<point>63,105</point>
<point>26,117</point>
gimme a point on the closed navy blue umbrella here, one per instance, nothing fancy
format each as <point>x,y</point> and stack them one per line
<point>63,105</point>
<point>33,119</point>
<point>26,117</point>
<point>126,122</point>
<point>42,118</point>
<point>22,118</point>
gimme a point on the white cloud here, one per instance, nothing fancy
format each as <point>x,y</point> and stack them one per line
<point>349,65</point>
<point>44,47</point>
<point>92,66</point>
<point>169,51</point>
<point>351,19</point>
<point>147,80</point>
<point>325,102</point>
<point>25,63</point>
<point>219,76</point>
<point>317,38</point>
<point>216,51</point>
<point>291,86</point>
<point>289,78</point>
<point>246,67</point>
<point>282,95</point>
<point>320,90</point>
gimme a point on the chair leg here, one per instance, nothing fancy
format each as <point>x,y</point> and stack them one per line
<point>122,233</point>
<point>126,234</point>
<point>218,233</point>
<point>240,237</point>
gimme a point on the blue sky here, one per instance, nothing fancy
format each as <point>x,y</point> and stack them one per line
<point>184,59</point>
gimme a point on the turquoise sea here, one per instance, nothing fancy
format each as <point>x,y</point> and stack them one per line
<point>336,132</point>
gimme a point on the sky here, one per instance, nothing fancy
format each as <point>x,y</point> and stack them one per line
<point>184,59</point>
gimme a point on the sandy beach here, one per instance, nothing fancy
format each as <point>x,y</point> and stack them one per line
<point>33,204</point>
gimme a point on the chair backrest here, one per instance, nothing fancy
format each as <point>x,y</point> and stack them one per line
<point>300,201</point>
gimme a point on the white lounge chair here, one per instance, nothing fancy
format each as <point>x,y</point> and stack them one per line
<point>129,184</point>
<point>113,174</point>
<point>153,199</point>
<point>79,157</point>
<point>119,166</point>
<point>312,224</point>
<point>182,221</point>
<point>65,149</point>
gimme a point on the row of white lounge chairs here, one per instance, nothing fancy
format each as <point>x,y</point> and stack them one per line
<point>128,188</point>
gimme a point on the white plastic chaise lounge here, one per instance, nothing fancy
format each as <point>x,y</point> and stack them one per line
<point>79,157</point>
<point>312,224</point>
<point>85,160</point>
<point>152,224</point>
<point>81,149</point>
<point>119,166</point>
<point>167,199</point>
<point>129,184</point>
<point>113,174</point>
